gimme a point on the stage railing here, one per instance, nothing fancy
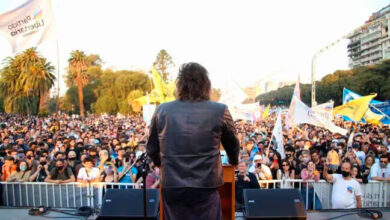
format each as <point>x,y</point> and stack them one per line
<point>68,195</point>
<point>374,193</point>
<point>73,195</point>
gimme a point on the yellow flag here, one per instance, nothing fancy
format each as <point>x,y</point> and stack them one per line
<point>158,84</point>
<point>354,109</point>
<point>372,117</point>
<point>266,112</point>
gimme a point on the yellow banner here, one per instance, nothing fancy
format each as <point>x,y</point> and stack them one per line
<point>354,109</point>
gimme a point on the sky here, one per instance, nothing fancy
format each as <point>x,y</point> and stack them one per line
<point>242,41</point>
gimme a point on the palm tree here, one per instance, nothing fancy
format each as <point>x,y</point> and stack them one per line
<point>78,64</point>
<point>26,81</point>
<point>36,76</point>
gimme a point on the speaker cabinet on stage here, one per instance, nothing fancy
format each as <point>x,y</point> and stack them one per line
<point>128,204</point>
<point>274,204</point>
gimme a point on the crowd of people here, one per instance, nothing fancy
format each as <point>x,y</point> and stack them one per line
<point>62,149</point>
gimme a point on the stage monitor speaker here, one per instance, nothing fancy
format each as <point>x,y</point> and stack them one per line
<point>128,204</point>
<point>273,204</point>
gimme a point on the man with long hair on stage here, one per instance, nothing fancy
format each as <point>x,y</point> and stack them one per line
<point>185,138</point>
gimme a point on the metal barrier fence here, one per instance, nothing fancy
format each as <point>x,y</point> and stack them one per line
<point>316,195</point>
<point>69,195</point>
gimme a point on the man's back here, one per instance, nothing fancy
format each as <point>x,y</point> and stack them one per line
<point>189,136</point>
<point>185,138</point>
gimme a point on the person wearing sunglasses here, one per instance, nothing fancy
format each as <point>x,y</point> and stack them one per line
<point>287,174</point>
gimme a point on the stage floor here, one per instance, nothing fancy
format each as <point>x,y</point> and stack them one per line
<point>22,214</point>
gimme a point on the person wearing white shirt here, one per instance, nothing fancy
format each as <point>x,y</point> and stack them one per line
<point>262,171</point>
<point>88,173</point>
<point>346,193</point>
<point>359,152</point>
<point>381,171</point>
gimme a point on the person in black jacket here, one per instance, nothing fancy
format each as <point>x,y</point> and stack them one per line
<point>244,180</point>
<point>185,138</point>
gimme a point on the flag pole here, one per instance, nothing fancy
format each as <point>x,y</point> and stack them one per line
<point>269,145</point>
<point>58,78</point>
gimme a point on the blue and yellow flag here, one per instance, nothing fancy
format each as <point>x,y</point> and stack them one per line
<point>354,109</point>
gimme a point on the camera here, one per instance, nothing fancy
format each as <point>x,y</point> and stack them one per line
<point>258,165</point>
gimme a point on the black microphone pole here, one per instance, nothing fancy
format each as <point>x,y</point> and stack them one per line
<point>144,171</point>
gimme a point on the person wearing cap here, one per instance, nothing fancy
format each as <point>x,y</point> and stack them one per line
<point>261,171</point>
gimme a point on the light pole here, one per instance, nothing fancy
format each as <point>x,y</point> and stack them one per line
<point>315,56</point>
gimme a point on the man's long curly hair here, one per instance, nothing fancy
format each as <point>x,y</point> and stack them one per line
<point>193,83</point>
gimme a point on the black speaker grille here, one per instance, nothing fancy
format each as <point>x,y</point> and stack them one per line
<point>274,203</point>
<point>128,204</point>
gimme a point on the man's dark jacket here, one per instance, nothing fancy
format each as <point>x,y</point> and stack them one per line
<point>185,140</point>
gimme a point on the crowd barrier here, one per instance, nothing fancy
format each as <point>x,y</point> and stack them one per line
<point>73,195</point>
<point>68,195</point>
<point>374,193</point>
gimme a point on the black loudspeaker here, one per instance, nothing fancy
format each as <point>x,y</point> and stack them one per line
<point>274,204</point>
<point>128,204</point>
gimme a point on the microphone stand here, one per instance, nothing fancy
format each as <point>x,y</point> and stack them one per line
<point>145,168</point>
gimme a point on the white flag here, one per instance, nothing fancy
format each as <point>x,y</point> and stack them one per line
<point>278,134</point>
<point>301,113</point>
<point>247,112</point>
<point>233,96</point>
<point>297,89</point>
<point>297,94</point>
<point>28,25</point>
<point>325,110</point>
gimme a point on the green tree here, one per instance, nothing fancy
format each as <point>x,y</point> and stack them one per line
<point>106,104</point>
<point>25,82</point>
<point>119,86</point>
<point>363,80</point>
<point>78,64</point>
<point>162,63</point>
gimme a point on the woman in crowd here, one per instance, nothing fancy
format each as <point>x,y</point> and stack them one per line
<point>356,174</point>
<point>88,173</point>
<point>22,173</point>
<point>310,174</point>
<point>288,173</point>
<point>72,160</point>
<point>368,163</point>
<point>8,168</point>
<point>110,173</point>
<point>152,178</point>
<point>276,165</point>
